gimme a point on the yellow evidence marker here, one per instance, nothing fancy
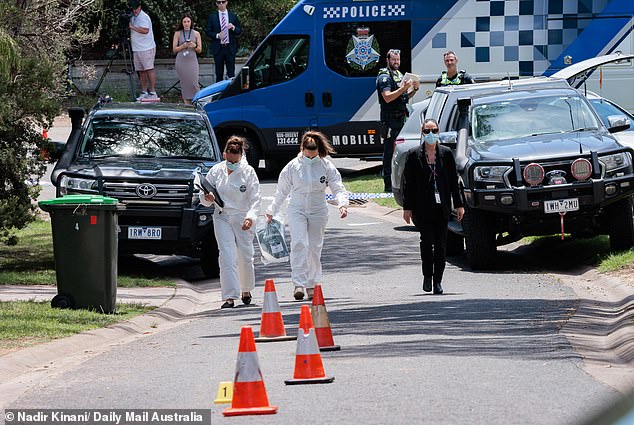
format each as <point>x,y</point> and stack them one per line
<point>225,393</point>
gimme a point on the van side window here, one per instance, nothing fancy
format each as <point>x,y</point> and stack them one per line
<point>358,49</point>
<point>281,58</point>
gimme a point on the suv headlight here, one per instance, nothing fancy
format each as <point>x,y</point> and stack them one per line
<point>200,103</point>
<point>69,185</point>
<point>492,173</point>
<point>615,161</point>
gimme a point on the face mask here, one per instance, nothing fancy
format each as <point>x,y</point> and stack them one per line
<point>431,138</point>
<point>232,166</point>
<point>311,160</point>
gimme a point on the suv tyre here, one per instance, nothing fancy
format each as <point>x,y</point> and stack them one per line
<point>620,224</point>
<point>479,238</point>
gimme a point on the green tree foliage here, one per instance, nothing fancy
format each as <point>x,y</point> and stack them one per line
<point>34,38</point>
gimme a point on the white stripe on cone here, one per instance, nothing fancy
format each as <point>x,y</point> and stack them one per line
<point>248,367</point>
<point>307,343</point>
<point>270,304</point>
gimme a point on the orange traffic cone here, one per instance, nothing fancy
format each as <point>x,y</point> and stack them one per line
<point>272,323</point>
<point>322,324</point>
<point>44,133</point>
<point>249,394</point>
<point>309,368</point>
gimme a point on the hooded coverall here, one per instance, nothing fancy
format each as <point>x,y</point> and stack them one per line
<point>240,192</point>
<point>306,183</point>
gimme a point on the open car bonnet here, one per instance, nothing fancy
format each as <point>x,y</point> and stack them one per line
<point>578,73</point>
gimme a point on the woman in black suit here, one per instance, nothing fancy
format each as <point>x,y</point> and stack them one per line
<point>430,183</point>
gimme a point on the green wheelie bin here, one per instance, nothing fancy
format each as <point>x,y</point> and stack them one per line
<point>85,244</point>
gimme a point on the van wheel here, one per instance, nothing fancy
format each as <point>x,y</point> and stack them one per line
<point>209,259</point>
<point>620,224</point>
<point>479,238</point>
<point>253,154</point>
<point>455,244</point>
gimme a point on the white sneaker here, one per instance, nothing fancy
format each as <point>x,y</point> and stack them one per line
<point>143,95</point>
<point>152,95</point>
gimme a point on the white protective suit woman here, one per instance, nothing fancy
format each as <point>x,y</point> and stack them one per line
<point>238,187</point>
<point>305,178</point>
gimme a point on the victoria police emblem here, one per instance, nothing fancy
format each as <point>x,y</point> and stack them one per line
<point>243,188</point>
<point>363,50</point>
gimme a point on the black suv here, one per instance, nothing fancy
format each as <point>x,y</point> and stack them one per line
<point>533,158</point>
<point>146,156</point>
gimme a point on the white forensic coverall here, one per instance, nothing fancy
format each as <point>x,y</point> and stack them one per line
<point>306,183</point>
<point>240,192</point>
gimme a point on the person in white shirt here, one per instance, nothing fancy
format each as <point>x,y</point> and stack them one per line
<point>305,178</point>
<point>239,188</point>
<point>143,49</point>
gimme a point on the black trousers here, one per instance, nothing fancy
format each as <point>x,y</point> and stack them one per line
<point>433,242</point>
<point>393,126</point>
<point>222,58</point>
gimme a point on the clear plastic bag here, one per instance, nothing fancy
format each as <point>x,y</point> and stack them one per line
<point>271,240</point>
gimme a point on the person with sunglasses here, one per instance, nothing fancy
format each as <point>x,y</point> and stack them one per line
<point>238,186</point>
<point>223,28</point>
<point>430,185</point>
<point>453,77</point>
<point>306,178</point>
<point>393,95</point>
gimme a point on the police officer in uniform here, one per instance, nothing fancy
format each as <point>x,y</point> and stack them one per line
<point>393,96</point>
<point>453,77</point>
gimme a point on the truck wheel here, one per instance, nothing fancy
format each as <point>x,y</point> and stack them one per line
<point>479,238</point>
<point>455,244</point>
<point>621,224</point>
<point>209,259</point>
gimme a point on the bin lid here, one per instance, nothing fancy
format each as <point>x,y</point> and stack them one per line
<point>80,199</point>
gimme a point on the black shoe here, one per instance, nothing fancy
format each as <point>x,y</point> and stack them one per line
<point>246,298</point>
<point>387,189</point>
<point>427,283</point>
<point>227,304</point>
<point>437,288</point>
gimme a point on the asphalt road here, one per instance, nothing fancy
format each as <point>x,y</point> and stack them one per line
<point>488,351</point>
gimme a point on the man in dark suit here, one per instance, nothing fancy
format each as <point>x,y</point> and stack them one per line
<point>223,28</point>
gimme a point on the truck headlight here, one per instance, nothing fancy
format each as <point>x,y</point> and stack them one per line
<point>69,185</point>
<point>200,103</point>
<point>492,173</point>
<point>615,161</point>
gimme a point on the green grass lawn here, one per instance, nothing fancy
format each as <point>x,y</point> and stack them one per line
<point>26,323</point>
<point>369,184</point>
<point>31,261</point>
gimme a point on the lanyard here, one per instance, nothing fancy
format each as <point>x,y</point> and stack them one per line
<point>189,37</point>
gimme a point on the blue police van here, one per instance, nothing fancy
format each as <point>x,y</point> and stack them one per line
<point>317,68</point>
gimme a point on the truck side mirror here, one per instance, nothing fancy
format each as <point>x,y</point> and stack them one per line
<point>449,139</point>
<point>618,123</point>
<point>245,82</point>
<point>56,150</point>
